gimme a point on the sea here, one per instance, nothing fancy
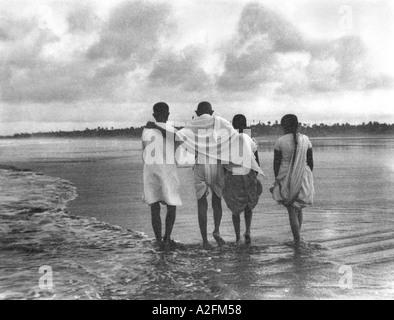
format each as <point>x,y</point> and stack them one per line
<point>73,226</point>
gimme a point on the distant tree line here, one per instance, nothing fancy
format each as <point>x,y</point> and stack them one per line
<point>324,130</point>
<point>260,129</point>
<point>87,133</point>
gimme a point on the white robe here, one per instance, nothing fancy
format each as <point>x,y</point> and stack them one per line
<point>161,181</point>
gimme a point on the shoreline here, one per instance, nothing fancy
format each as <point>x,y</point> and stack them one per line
<point>12,168</point>
<point>70,138</point>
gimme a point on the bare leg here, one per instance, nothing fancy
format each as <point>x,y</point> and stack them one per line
<point>217,216</point>
<point>203,220</point>
<point>248,224</point>
<point>156,221</point>
<point>300,218</point>
<point>170,221</point>
<point>295,226</point>
<point>237,227</point>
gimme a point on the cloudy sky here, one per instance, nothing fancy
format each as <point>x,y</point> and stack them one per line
<point>76,64</point>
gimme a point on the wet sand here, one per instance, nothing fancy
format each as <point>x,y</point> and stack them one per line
<point>94,260</point>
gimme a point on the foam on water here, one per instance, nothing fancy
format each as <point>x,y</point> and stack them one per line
<point>90,259</point>
<point>36,230</point>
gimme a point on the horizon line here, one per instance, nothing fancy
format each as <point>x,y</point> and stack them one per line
<point>254,124</point>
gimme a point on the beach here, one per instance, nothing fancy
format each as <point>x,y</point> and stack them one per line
<point>84,217</point>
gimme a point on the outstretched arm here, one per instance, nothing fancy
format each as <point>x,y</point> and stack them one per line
<point>256,155</point>
<point>309,158</point>
<point>277,162</point>
<point>152,125</point>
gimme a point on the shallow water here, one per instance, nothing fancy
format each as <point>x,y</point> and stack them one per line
<point>350,225</point>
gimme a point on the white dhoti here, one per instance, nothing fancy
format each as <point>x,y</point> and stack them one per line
<point>208,176</point>
<point>161,182</point>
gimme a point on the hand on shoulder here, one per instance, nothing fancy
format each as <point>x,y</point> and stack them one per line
<point>150,125</point>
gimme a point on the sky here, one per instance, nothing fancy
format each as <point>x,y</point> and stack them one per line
<point>69,65</point>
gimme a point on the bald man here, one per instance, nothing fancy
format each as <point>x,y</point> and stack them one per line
<point>208,177</point>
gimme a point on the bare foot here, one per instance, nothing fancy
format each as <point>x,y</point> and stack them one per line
<point>248,239</point>
<point>207,246</point>
<point>219,239</point>
<point>170,245</point>
<point>304,244</point>
<point>159,245</point>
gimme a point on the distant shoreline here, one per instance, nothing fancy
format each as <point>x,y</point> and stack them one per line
<point>12,168</point>
<point>67,138</point>
<point>260,130</point>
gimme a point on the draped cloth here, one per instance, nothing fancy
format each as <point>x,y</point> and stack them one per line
<point>160,175</point>
<point>208,176</point>
<point>242,190</point>
<point>294,187</point>
<point>214,141</point>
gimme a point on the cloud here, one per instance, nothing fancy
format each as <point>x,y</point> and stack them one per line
<point>257,20</point>
<point>262,53</point>
<point>343,64</point>
<point>252,59</point>
<point>134,30</point>
<point>27,76</point>
<point>40,66</point>
<point>248,67</point>
<point>324,74</point>
<point>3,35</point>
<point>82,19</point>
<point>182,70</point>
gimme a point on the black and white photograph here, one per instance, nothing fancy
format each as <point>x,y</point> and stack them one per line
<point>223,151</point>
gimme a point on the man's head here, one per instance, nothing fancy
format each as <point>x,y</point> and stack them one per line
<point>161,111</point>
<point>239,122</point>
<point>204,108</point>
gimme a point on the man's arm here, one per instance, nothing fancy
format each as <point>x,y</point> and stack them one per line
<point>309,159</point>
<point>256,155</point>
<point>277,162</point>
<point>152,125</point>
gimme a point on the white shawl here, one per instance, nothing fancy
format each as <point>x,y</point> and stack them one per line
<point>214,139</point>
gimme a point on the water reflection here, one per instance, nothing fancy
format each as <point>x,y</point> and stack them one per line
<point>299,273</point>
<point>345,144</point>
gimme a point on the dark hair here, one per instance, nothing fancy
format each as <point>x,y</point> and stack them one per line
<point>290,124</point>
<point>161,108</point>
<point>239,122</point>
<point>204,108</point>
